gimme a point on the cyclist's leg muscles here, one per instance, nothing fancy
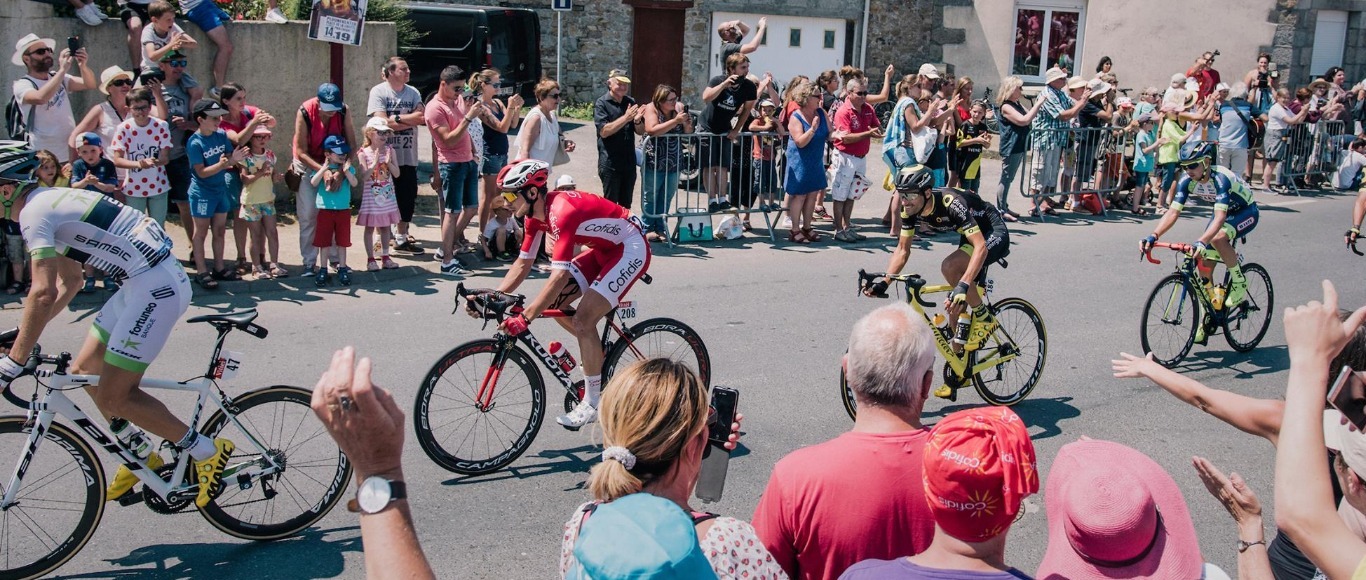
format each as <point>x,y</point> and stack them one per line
<point>953,267</point>
<point>612,275</point>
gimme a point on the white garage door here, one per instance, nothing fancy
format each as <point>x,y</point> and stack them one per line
<point>794,45</point>
<point>1330,37</point>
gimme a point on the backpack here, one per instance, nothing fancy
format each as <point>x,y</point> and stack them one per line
<point>14,116</point>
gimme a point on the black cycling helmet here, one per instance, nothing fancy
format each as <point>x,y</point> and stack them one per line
<point>17,161</point>
<point>915,178</point>
<point>1195,152</point>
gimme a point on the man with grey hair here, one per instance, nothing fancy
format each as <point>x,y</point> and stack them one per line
<point>860,495</point>
<point>1235,127</point>
<point>855,125</point>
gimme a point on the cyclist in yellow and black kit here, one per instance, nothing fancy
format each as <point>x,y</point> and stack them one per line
<point>983,240</point>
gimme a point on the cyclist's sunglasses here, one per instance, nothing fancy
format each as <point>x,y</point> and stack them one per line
<point>510,196</point>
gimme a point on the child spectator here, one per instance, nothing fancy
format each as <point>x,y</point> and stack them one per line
<point>1348,175</point>
<point>142,146</point>
<point>1168,152</point>
<point>501,233</point>
<point>378,203</point>
<point>334,182</point>
<point>93,172</point>
<point>769,137</point>
<point>973,136</point>
<point>163,36</point>
<point>1145,144</point>
<point>210,154</point>
<point>258,204</point>
<point>49,172</point>
<point>15,252</point>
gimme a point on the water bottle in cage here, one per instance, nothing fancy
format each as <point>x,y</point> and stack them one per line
<point>960,336</point>
<point>562,356</point>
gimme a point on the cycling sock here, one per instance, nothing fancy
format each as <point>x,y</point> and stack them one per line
<point>200,448</point>
<point>592,389</point>
<point>981,314</point>
<point>1236,272</point>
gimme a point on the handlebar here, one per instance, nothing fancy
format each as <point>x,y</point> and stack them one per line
<point>489,304</point>
<point>1352,245</point>
<point>1183,248</point>
<point>913,284</point>
<point>35,360</point>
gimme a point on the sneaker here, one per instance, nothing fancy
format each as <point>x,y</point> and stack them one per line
<point>90,15</point>
<point>787,223</point>
<point>843,236</point>
<point>125,479</point>
<point>944,392</point>
<point>713,207</point>
<point>582,414</point>
<point>371,265</point>
<point>857,236</point>
<point>274,16</point>
<point>1237,292</point>
<point>321,277</point>
<point>821,214</point>
<point>344,275</point>
<point>309,271</point>
<point>210,472</point>
<point>409,248</point>
<point>979,331</point>
<point>89,285</point>
<point>389,264</point>
<point>439,255</point>
<point>110,284</point>
<point>453,269</point>
<point>725,205</point>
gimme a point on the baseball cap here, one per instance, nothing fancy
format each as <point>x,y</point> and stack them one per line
<point>979,466</point>
<point>1146,118</point>
<point>766,103</point>
<point>336,144</point>
<point>1221,87</point>
<point>1124,103</point>
<point>1113,512</point>
<point>639,536</point>
<point>208,108</point>
<point>1054,74</point>
<point>929,70</point>
<point>172,55</point>
<point>89,138</point>
<point>565,181</point>
<point>377,124</point>
<point>261,129</point>
<point>619,76</point>
<point>329,97</point>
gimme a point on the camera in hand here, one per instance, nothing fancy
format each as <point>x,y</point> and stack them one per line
<point>153,75</point>
<point>711,482</point>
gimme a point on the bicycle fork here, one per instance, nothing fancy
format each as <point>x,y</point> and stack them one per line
<point>483,400</point>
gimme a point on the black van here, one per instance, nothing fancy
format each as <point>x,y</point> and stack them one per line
<point>475,38</point>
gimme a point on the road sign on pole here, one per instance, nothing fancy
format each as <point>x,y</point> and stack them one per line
<point>562,5</point>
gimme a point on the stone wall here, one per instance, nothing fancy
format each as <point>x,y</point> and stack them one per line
<point>1293,45</point>
<point>910,33</point>
<point>278,64</point>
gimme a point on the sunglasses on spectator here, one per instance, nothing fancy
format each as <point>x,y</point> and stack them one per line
<point>121,83</point>
<point>177,63</point>
<point>553,96</point>
<point>511,197</point>
<point>43,50</point>
<point>861,93</point>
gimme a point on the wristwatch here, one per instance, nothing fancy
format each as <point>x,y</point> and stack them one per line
<point>375,495</point>
<point>1243,546</point>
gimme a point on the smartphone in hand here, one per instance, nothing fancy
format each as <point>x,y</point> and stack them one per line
<point>73,44</point>
<point>1348,396</point>
<point>711,482</point>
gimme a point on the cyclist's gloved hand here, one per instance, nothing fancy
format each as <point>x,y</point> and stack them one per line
<point>958,295</point>
<point>1147,243</point>
<point>515,326</point>
<point>1353,234</point>
<point>1199,248</point>
<point>10,370</point>
<point>877,289</point>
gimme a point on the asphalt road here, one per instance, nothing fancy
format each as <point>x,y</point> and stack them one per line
<point>775,320</point>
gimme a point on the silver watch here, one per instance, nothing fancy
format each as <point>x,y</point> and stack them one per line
<point>375,494</point>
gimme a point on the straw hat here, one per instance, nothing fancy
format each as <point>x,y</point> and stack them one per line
<point>1054,74</point>
<point>26,43</point>
<point>112,74</point>
<point>1076,83</point>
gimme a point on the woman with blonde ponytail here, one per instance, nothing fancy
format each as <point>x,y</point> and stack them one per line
<point>654,425</point>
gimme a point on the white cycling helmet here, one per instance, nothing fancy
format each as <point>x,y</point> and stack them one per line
<point>521,175</point>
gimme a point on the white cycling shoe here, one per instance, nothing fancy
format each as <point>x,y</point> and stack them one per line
<point>582,414</point>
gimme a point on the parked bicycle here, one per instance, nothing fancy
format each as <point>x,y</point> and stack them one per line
<point>1169,317</point>
<point>481,405</point>
<point>285,475</point>
<point>1004,370</point>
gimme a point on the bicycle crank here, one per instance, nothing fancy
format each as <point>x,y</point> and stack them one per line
<point>179,498</point>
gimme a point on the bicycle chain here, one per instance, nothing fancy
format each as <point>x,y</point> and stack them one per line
<point>163,506</point>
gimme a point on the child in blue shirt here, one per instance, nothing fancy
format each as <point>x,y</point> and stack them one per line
<point>93,172</point>
<point>210,153</point>
<point>1145,149</point>
<point>333,225</point>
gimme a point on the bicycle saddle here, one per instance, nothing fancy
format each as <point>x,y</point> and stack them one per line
<point>237,319</point>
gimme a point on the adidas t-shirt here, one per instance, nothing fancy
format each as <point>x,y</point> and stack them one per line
<point>139,143</point>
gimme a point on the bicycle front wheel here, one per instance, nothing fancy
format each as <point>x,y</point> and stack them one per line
<point>659,338</point>
<point>1246,323</point>
<point>1169,321</point>
<point>60,501</point>
<point>847,394</point>
<point>1017,351</point>
<point>479,409</point>
<point>275,425</point>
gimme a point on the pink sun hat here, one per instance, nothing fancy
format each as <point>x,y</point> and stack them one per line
<point>1115,513</point>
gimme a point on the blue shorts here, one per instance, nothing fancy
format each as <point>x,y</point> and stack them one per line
<point>493,164</point>
<point>1238,224</point>
<point>234,180</point>
<point>206,205</point>
<point>460,185</point>
<point>208,16</point>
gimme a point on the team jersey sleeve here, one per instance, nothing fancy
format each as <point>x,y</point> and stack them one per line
<point>908,223</point>
<point>535,232</point>
<point>960,216</point>
<point>1182,193</point>
<point>1221,192</point>
<point>563,252</point>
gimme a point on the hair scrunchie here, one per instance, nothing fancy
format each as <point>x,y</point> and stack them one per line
<point>620,455</point>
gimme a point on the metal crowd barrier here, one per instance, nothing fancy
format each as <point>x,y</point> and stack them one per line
<point>1312,151</point>
<point>753,167</point>
<point>1089,160</point>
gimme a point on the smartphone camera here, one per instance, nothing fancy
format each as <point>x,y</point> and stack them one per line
<point>73,44</point>
<point>1348,396</point>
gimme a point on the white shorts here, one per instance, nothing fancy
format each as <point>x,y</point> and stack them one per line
<point>136,321</point>
<point>491,230</point>
<point>613,272</point>
<point>847,176</point>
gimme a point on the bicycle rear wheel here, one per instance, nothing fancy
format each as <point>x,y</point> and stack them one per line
<point>1020,334</point>
<point>1246,323</point>
<point>461,433</point>
<point>659,338</point>
<point>276,424</point>
<point>1169,321</point>
<point>847,394</point>
<point>59,504</point>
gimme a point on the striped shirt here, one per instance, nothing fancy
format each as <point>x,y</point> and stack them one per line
<point>1047,131</point>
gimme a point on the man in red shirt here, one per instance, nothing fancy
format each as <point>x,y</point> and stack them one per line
<point>1203,72</point>
<point>860,495</point>
<point>855,124</point>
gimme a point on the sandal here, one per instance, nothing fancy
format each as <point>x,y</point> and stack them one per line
<point>243,267</point>
<point>389,264</point>
<point>206,281</point>
<point>746,226</point>
<point>226,274</point>
<point>13,288</point>
<point>653,237</point>
<point>821,214</point>
<point>811,234</point>
<point>797,237</point>
<point>278,272</point>
<point>1010,218</point>
<point>1138,210</point>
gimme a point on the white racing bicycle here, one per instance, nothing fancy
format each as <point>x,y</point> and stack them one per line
<point>286,473</point>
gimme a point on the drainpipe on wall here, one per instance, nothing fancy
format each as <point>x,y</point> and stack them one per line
<point>863,51</point>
